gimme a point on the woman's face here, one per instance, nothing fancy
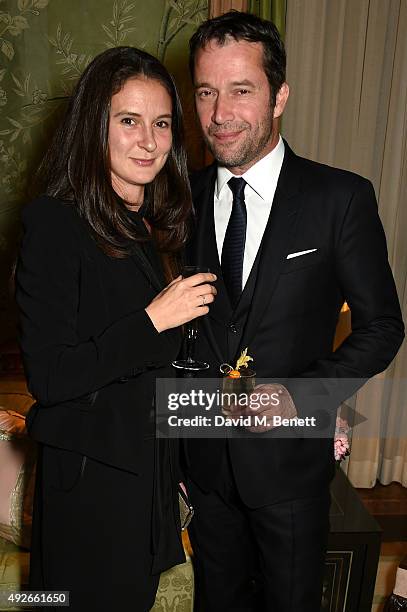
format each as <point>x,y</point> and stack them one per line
<point>140,136</point>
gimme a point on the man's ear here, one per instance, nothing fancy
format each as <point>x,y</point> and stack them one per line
<point>281,100</point>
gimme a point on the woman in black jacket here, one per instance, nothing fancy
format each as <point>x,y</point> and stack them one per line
<point>101,303</point>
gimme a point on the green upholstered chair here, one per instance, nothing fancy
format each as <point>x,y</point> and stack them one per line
<point>175,592</point>
<point>176,589</point>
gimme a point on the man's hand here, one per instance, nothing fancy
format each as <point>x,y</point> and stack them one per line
<point>265,401</point>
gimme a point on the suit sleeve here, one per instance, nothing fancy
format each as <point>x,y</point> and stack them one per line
<point>367,284</point>
<point>58,366</point>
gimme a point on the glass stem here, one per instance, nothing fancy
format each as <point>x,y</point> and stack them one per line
<point>191,334</point>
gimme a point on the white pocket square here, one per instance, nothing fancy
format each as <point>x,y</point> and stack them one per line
<point>291,255</point>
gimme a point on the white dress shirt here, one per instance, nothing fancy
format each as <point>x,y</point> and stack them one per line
<point>259,192</point>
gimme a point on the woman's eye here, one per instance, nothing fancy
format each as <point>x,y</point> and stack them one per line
<point>127,121</point>
<point>162,124</point>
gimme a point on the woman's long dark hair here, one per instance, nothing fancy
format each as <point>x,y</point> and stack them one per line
<point>76,167</point>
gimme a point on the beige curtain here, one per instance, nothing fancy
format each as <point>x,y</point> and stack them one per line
<point>347,68</point>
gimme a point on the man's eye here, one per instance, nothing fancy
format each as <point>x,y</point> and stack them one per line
<point>243,92</point>
<point>204,93</point>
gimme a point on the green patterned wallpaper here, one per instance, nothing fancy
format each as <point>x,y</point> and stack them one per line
<point>44,47</point>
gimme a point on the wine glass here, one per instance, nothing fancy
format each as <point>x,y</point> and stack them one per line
<point>190,364</point>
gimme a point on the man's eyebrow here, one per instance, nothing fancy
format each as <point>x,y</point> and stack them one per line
<point>132,114</point>
<point>198,85</point>
<point>243,82</point>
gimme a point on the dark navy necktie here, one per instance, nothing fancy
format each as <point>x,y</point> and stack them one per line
<point>234,243</point>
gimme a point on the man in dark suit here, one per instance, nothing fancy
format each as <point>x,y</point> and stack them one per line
<point>290,241</point>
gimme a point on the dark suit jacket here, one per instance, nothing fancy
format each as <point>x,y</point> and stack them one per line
<point>289,316</point>
<point>91,353</point>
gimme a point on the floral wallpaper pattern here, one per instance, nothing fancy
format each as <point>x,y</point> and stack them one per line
<point>44,47</point>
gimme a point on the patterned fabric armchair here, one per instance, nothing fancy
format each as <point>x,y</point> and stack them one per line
<point>175,592</point>
<point>176,589</point>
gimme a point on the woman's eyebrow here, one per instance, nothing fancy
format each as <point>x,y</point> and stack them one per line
<point>133,114</point>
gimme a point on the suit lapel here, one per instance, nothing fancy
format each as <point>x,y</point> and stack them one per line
<point>274,248</point>
<point>276,241</point>
<point>205,252</point>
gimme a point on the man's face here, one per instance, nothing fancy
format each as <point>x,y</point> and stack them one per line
<point>234,104</point>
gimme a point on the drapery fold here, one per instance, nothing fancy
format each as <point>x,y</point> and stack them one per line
<point>274,10</point>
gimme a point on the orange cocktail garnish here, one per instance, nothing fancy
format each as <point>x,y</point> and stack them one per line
<point>234,374</point>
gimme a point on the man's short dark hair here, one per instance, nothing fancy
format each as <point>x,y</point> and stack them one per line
<point>244,26</point>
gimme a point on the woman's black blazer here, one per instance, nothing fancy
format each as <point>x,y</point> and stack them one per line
<point>90,351</point>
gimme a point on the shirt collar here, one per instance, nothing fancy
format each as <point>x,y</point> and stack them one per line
<point>260,176</point>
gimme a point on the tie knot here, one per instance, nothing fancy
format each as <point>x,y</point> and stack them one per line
<point>237,186</point>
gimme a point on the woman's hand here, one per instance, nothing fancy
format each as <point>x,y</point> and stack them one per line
<point>183,300</point>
